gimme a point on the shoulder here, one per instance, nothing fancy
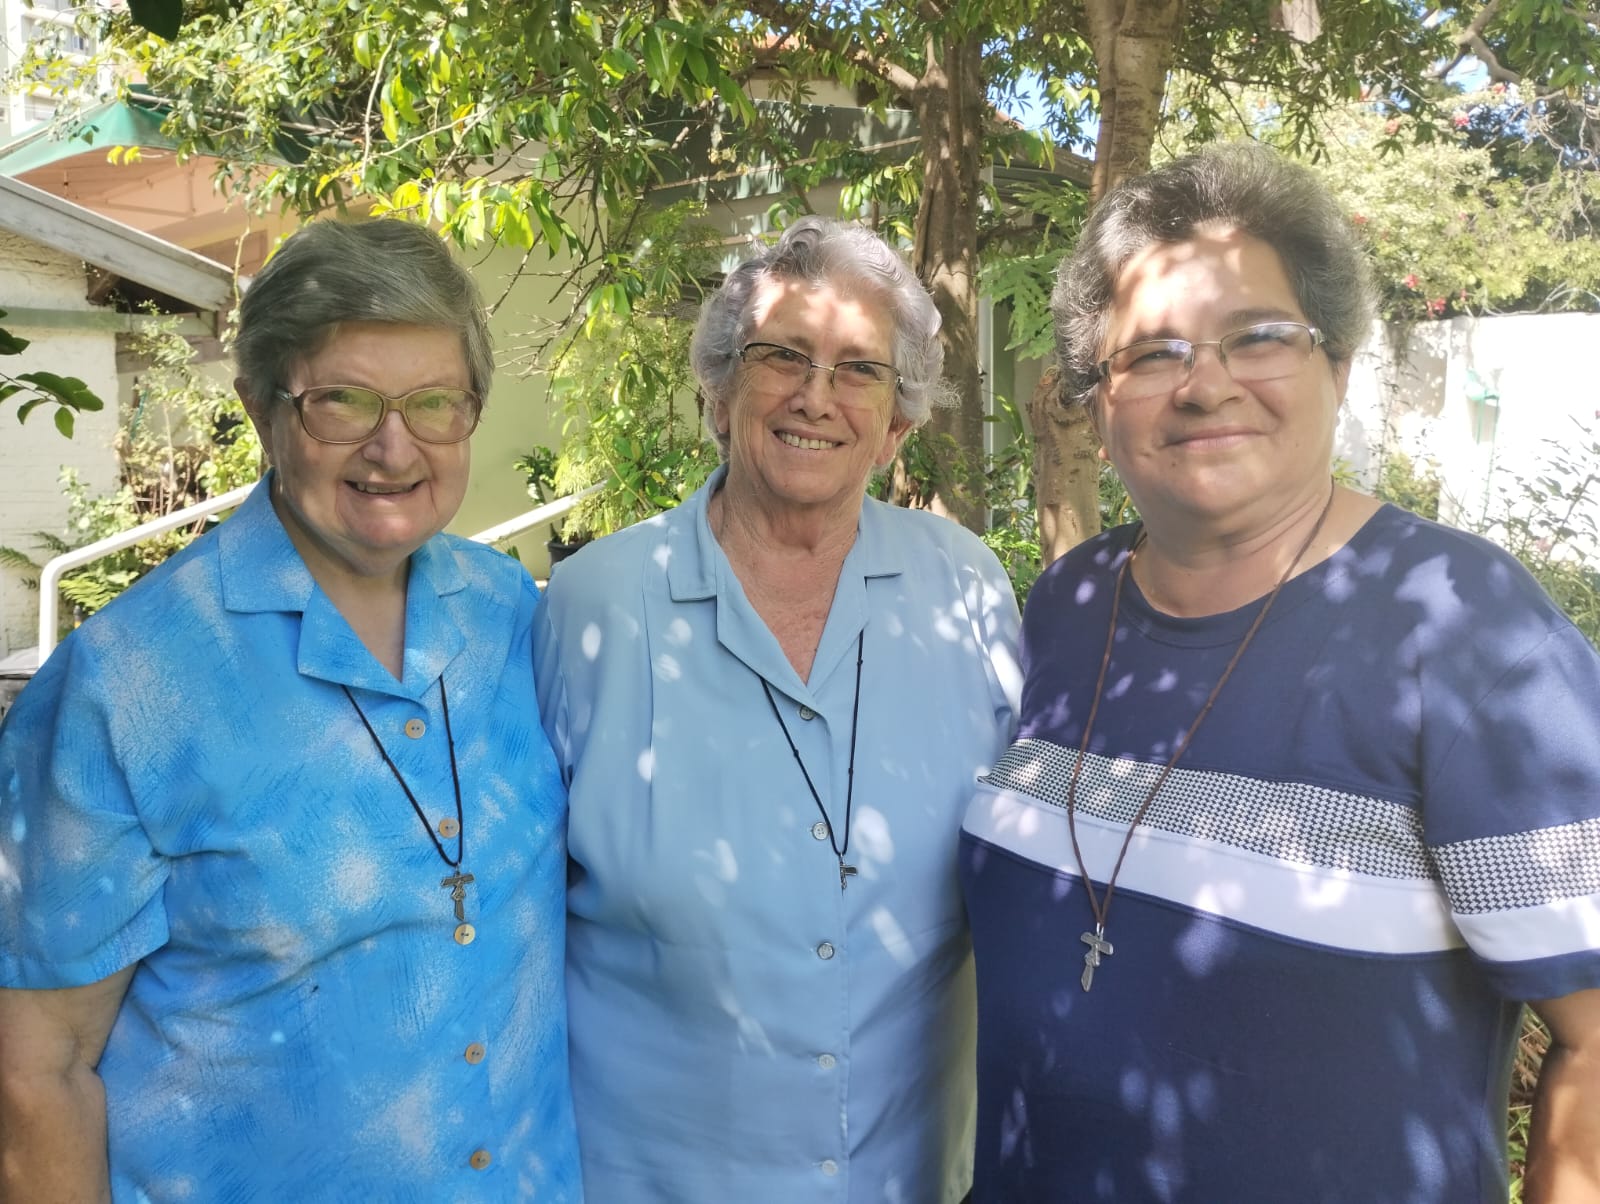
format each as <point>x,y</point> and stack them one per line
<point>169,603</point>
<point>1449,577</point>
<point>616,564</point>
<point>925,538</point>
<point>488,572</point>
<point>1098,556</point>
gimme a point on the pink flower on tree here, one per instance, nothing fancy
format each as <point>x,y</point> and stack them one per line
<point>1436,306</point>
<point>1410,281</point>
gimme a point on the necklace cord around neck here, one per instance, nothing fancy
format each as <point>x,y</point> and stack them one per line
<point>455,777</point>
<point>1101,905</point>
<point>850,775</point>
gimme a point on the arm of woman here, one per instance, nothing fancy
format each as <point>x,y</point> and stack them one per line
<point>1564,1146</point>
<point>52,1103</point>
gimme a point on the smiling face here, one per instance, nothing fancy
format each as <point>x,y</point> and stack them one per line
<point>798,448</point>
<point>356,511</point>
<point>1228,456</point>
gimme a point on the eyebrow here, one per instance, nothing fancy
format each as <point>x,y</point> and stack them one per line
<point>852,351</point>
<point>1236,319</point>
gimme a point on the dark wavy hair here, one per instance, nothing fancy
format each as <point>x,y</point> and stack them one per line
<point>1245,185</point>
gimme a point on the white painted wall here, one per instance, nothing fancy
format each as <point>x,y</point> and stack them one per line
<point>32,453</point>
<point>1413,390</point>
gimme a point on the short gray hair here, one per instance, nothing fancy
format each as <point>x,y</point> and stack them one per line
<point>843,255</point>
<point>1245,185</point>
<point>375,270</point>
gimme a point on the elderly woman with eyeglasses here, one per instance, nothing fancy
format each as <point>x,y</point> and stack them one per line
<point>1305,800</point>
<point>770,705</point>
<point>281,860</point>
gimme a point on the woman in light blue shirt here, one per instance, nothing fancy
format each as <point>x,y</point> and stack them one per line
<point>281,867</point>
<point>770,705</point>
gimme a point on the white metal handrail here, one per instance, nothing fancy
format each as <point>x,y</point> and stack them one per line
<point>50,575</point>
<point>539,514</point>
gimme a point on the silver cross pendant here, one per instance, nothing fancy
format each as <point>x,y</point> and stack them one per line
<point>1098,947</point>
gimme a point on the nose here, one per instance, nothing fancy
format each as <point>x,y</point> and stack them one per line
<point>815,394</point>
<point>392,442</point>
<point>1207,382</point>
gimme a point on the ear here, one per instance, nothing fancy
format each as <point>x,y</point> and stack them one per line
<point>899,428</point>
<point>720,417</point>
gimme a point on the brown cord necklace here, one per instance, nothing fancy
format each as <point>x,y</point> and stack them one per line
<point>457,882</point>
<point>1099,947</point>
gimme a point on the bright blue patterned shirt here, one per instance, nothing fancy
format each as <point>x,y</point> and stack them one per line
<point>185,785</point>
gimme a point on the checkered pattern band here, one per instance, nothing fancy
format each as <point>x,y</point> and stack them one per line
<point>1522,869</point>
<point>1287,821</point>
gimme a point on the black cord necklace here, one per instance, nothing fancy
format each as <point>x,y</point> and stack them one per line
<point>456,883</point>
<point>846,872</point>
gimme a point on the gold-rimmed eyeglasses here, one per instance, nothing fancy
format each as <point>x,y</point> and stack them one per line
<point>856,381</point>
<point>1265,351</point>
<point>353,414</point>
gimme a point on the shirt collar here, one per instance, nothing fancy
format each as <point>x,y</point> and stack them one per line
<point>696,565</point>
<point>693,552</point>
<point>263,572</point>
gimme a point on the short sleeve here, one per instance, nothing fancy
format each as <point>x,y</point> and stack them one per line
<point>80,884</point>
<point>551,685</point>
<point>1511,813</point>
<point>998,627</point>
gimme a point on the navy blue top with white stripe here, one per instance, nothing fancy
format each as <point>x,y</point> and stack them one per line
<point>1385,835</point>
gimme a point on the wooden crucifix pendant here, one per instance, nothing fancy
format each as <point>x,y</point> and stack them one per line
<point>846,872</point>
<point>458,884</point>
<point>1098,947</point>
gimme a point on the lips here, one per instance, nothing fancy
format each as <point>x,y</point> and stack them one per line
<point>1221,435</point>
<point>806,444</point>
<point>379,488</point>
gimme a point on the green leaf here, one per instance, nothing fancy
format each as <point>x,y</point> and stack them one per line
<point>28,407</point>
<point>11,344</point>
<point>64,421</point>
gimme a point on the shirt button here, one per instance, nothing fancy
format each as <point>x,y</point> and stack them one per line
<point>415,728</point>
<point>825,950</point>
<point>476,1051</point>
<point>448,827</point>
<point>830,1167</point>
<point>807,713</point>
<point>466,932</point>
<point>819,830</point>
<point>479,1159</point>
<point>827,1061</point>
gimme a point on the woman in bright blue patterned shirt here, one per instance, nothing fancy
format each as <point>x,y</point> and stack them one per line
<point>281,855</point>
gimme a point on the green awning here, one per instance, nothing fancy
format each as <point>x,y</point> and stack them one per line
<point>132,122</point>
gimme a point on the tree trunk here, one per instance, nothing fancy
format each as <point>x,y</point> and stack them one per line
<point>949,101</point>
<point>1066,469</point>
<point>1133,42</point>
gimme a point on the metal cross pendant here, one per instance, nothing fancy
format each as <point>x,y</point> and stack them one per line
<point>1098,947</point>
<point>458,882</point>
<point>846,872</point>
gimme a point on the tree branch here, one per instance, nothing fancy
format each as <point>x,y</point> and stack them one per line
<point>800,24</point>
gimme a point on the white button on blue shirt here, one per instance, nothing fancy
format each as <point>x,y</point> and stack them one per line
<point>711,952</point>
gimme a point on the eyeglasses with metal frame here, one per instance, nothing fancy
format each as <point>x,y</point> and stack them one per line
<point>858,381</point>
<point>353,413</point>
<point>1252,354</point>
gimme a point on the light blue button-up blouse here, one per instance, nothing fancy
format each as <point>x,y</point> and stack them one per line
<point>742,1029</point>
<point>185,785</point>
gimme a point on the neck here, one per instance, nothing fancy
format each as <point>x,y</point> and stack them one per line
<point>374,604</point>
<point>773,540</point>
<point>1196,570</point>
<point>788,570</point>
